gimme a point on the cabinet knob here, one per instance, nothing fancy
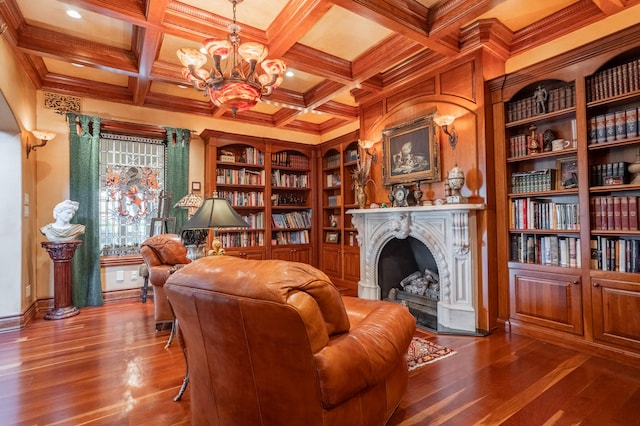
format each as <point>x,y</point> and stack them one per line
<point>596,284</point>
<point>576,281</point>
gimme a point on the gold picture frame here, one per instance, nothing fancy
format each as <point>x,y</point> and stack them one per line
<point>411,152</point>
<point>567,172</point>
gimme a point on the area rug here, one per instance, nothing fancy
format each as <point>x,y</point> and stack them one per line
<point>422,352</point>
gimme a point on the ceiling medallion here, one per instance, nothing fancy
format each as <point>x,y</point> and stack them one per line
<point>237,88</point>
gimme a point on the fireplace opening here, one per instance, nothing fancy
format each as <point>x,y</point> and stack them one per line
<point>408,274</point>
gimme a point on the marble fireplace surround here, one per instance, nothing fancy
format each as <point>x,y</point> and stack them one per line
<point>449,233</point>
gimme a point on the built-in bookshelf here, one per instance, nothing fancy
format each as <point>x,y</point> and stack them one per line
<point>340,255</point>
<point>571,171</point>
<point>291,205</point>
<point>240,178</point>
<point>269,183</point>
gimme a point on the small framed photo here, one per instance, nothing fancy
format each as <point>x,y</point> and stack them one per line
<point>332,238</point>
<point>567,172</point>
<point>195,186</point>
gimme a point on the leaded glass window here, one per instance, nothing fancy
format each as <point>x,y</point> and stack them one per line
<point>132,176</point>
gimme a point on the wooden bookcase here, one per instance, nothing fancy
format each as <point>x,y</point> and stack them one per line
<point>270,183</point>
<point>561,275</point>
<point>291,204</point>
<point>339,249</point>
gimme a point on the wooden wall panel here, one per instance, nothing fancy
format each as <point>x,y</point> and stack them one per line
<point>459,81</point>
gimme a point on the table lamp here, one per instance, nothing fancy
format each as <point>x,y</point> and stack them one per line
<point>215,212</point>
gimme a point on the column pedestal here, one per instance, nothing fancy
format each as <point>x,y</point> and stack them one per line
<point>61,253</point>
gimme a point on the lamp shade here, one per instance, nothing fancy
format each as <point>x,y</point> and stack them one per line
<point>190,200</point>
<point>215,213</point>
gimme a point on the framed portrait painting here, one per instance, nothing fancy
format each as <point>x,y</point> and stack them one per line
<point>411,152</point>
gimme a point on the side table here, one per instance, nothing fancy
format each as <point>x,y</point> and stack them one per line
<point>61,253</point>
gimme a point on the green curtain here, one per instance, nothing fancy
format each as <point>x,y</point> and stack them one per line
<point>84,188</point>
<point>177,171</point>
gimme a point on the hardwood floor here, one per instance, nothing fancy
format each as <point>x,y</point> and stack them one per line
<point>108,366</point>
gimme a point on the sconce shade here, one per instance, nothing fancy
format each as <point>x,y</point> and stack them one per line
<point>215,213</point>
<point>44,138</point>
<point>445,121</point>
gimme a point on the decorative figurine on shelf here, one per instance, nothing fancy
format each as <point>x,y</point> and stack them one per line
<point>534,146</point>
<point>547,139</point>
<point>540,99</point>
<point>62,229</point>
<point>360,173</point>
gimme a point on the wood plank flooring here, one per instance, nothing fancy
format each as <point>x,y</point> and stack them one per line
<point>108,366</point>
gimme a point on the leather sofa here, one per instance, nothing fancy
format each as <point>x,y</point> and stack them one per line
<point>271,342</point>
<point>163,254</point>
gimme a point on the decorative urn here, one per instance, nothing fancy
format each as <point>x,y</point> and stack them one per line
<point>455,179</point>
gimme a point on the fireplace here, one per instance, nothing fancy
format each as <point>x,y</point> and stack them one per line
<point>439,238</point>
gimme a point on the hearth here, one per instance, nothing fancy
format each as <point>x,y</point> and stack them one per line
<point>436,238</point>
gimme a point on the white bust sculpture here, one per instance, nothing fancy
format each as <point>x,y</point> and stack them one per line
<point>61,229</point>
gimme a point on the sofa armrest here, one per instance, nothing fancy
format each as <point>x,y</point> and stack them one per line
<point>377,341</point>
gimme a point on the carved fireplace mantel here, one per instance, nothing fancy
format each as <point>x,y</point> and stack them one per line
<point>448,231</point>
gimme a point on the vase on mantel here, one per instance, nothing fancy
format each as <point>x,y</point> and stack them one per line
<point>360,195</point>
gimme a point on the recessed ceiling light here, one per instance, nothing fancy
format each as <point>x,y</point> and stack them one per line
<point>289,73</point>
<point>74,14</point>
<point>182,86</point>
<point>77,65</point>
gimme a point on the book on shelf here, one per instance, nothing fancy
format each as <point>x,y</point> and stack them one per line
<point>616,254</point>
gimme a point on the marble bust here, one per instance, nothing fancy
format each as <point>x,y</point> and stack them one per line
<point>61,229</point>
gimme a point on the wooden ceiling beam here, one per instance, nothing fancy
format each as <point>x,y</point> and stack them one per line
<point>52,44</point>
<point>406,17</point>
<point>609,7</point>
<point>283,33</point>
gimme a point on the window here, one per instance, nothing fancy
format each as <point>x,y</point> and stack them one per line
<point>132,174</point>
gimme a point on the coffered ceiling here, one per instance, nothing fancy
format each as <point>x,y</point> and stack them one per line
<point>341,52</point>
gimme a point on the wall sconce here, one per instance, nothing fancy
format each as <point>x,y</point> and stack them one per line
<point>366,146</point>
<point>44,138</point>
<point>445,121</point>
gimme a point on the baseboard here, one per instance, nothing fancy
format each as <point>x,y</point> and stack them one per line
<point>16,322</point>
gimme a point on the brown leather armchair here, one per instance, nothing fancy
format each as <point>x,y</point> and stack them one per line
<point>272,342</point>
<point>162,254</point>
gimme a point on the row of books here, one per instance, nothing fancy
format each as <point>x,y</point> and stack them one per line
<point>242,239</point>
<point>614,213</point>
<point>293,237</point>
<point>546,250</point>
<point>289,180</point>
<point>243,199</point>
<point>334,200</point>
<point>333,179</point>
<point>609,174</point>
<point>533,181</point>
<point>615,254</point>
<point>615,81</point>
<point>614,126</point>
<point>299,219</point>
<point>250,155</point>
<point>557,99</point>
<point>239,177</point>
<point>286,159</point>
<point>351,155</point>
<point>528,213</point>
<point>333,161</point>
<point>255,220</point>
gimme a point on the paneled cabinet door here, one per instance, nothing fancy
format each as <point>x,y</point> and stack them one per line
<point>332,261</point>
<point>616,312</point>
<point>246,254</point>
<point>551,300</point>
<point>352,264</point>
<point>298,254</point>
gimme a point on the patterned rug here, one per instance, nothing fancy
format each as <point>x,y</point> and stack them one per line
<point>422,352</point>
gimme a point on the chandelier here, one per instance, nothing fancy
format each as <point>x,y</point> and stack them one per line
<point>237,88</point>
